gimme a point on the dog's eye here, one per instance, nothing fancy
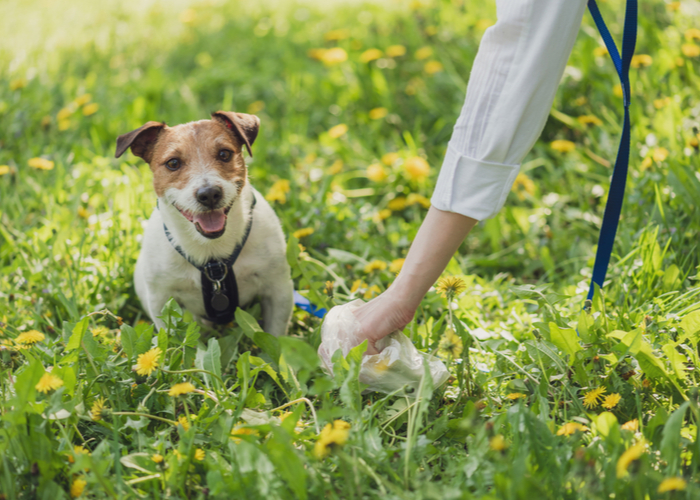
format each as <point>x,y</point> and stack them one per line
<point>173,164</point>
<point>225,155</point>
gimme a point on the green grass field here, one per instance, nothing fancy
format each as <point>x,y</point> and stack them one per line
<point>355,99</point>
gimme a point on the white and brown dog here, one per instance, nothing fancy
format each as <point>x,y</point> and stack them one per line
<point>213,242</point>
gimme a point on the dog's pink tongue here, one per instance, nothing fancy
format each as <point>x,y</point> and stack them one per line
<point>211,222</point>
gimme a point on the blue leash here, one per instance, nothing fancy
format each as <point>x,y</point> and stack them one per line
<point>616,195</point>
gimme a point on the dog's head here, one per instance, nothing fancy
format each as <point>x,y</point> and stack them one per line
<point>198,167</point>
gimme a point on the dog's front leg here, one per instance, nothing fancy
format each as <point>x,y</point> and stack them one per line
<point>153,302</point>
<point>277,308</point>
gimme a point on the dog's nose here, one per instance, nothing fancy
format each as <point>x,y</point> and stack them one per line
<point>209,196</point>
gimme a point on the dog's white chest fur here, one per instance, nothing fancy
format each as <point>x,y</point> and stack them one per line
<point>261,268</point>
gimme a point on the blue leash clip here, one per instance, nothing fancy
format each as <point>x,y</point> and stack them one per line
<point>616,196</point>
<point>305,305</point>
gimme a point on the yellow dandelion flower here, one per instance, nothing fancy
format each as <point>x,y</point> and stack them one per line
<point>498,443</point>
<point>242,431</point>
<point>30,337</point>
<point>632,425</point>
<point>516,395</point>
<point>378,113</point>
<point>450,286</point>
<point>416,168</point>
<point>180,389</point>
<point>99,330</point>
<point>451,345</point>
<point>48,382</point>
<point>611,401</point>
<point>661,103</point>
<point>589,120</point>
<point>673,6</point>
<point>424,53</point>
<point>641,61</point>
<point>199,454</point>
<point>278,191</point>
<point>335,35</point>
<point>338,131</point>
<point>147,362</point>
<point>660,154</point>
<point>64,114</point>
<point>18,84</point>
<point>372,291</point>
<point>302,233</point>
<point>91,109</point>
<point>41,164</point>
<point>562,146</point>
<point>333,56</point>
<point>182,420</point>
<point>331,436</point>
<point>395,51</point>
<point>157,458</point>
<point>329,287</point>
<point>370,55</point>
<point>692,34</point>
<point>79,450</point>
<point>600,51</point>
<point>484,24</point>
<point>432,67</point>
<point>397,204</point>
<point>376,172</point>
<point>617,90</point>
<point>414,198</point>
<point>64,125</point>
<point>382,214</point>
<point>375,265</point>
<point>177,454</point>
<point>98,407</point>
<point>690,50</point>
<point>523,184</point>
<point>390,158</point>
<point>255,107</point>
<point>396,265</point>
<point>591,398</point>
<point>570,427</point>
<point>431,30</point>
<point>672,484</point>
<point>84,214</point>
<point>188,16</point>
<point>77,487</point>
<point>646,163</point>
<point>5,169</point>
<point>82,100</point>
<point>357,285</point>
<point>633,453</point>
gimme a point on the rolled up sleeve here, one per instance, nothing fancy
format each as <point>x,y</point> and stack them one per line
<point>512,85</point>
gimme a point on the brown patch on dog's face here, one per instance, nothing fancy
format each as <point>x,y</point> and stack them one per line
<point>187,152</point>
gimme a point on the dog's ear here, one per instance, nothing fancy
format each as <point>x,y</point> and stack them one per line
<point>243,126</point>
<point>141,140</point>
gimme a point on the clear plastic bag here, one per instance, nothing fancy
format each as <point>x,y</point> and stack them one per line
<point>398,364</point>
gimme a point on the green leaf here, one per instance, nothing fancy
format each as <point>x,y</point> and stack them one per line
<point>77,336</point>
<point>287,463</point>
<point>145,336</point>
<point>162,342</point>
<point>248,323</point>
<point>298,354</point>
<point>691,325</point>
<point>671,438</point>
<point>585,325</point>
<point>128,340</point>
<point>566,340</point>
<point>676,359</point>
<point>605,423</point>
<point>210,360</point>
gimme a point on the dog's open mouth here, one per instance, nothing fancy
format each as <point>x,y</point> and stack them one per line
<point>211,224</point>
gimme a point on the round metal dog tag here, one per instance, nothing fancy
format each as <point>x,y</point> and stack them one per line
<point>219,302</point>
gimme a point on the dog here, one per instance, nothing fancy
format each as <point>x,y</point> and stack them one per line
<point>213,242</point>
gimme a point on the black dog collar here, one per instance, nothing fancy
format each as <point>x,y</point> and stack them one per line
<point>219,287</point>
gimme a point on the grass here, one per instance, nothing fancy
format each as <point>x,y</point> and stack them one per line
<point>531,408</point>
